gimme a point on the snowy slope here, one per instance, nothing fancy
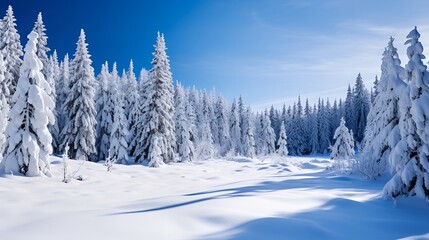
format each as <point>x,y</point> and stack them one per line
<point>239,198</point>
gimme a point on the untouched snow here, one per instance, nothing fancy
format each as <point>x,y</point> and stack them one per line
<point>236,198</point>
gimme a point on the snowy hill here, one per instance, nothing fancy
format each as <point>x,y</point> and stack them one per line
<point>236,198</point>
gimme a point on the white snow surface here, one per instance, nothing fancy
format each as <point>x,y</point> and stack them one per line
<point>232,198</point>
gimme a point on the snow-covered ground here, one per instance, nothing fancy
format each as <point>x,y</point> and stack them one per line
<point>237,198</point>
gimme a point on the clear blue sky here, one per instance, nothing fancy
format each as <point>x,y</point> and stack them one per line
<point>269,51</point>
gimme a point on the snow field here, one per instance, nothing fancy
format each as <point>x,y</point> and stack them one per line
<point>234,198</point>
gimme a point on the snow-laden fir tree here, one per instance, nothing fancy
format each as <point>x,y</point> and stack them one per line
<point>157,141</point>
<point>382,132</point>
<point>323,128</point>
<point>137,120</point>
<point>63,89</point>
<point>349,114</point>
<point>79,132</point>
<point>234,128</point>
<point>282,141</point>
<point>343,149</point>
<point>105,106</point>
<point>28,143</point>
<point>361,106</point>
<point>118,148</point>
<point>205,147</point>
<point>131,97</point>
<point>267,138</point>
<point>249,148</point>
<point>42,44</point>
<point>410,156</point>
<point>375,90</point>
<point>185,147</point>
<point>50,78</point>
<point>11,47</point>
<point>4,106</point>
<point>222,123</point>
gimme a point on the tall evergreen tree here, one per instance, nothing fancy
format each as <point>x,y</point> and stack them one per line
<point>382,132</point>
<point>282,141</point>
<point>410,156</point>
<point>11,47</point>
<point>185,146</point>
<point>222,123</point>
<point>342,151</point>
<point>42,44</point>
<point>266,135</point>
<point>361,106</point>
<point>234,128</point>
<point>4,106</point>
<point>158,140</point>
<point>79,132</point>
<point>249,148</point>
<point>28,143</point>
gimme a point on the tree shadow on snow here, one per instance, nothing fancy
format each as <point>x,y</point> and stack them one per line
<point>323,180</point>
<point>340,218</point>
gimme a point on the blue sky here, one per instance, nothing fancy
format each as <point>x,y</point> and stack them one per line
<point>268,51</point>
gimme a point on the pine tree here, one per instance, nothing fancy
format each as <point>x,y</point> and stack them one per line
<point>28,143</point>
<point>267,136</point>
<point>410,156</point>
<point>349,114</point>
<point>361,106</point>
<point>105,107</point>
<point>118,145</point>
<point>382,132</point>
<point>50,79</point>
<point>158,140</point>
<point>375,90</point>
<point>79,132</point>
<point>11,48</point>
<point>42,43</point>
<point>222,124</point>
<point>342,151</point>
<point>185,146</point>
<point>282,141</point>
<point>234,128</point>
<point>4,106</point>
<point>63,89</point>
<point>249,148</point>
<point>205,147</point>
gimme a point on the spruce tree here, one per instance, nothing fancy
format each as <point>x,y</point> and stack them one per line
<point>79,132</point>
<point>382,132</point>
<point>342,151</point>
<point>361,106</point>
<point>249,148</point>
<point>28,143</point>
<point>410,156</point>
<point>157,141</point>
<point>4,106</point>
<point>42,44</point>
<point>282,141</point>
<point>11,48</point>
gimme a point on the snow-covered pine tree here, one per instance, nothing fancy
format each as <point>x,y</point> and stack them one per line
<point>50,78</point>
<point>323,128</point>
<point>185,146</point>
<point>105,107</point>
<point>375,90</point>
<point>234,128</point>
<point>11,47</point>
<point>205,147</point>
<point>249,148</point>
<point>79,132</point>
<point>349,114</point>
<point>28,143</point>
<point>42,44</point>
<point>132,98</point>
<point>63,89</point>
<point>343,149</point>
<point>137,112</point>
<point>222,123</point>
<point>282,141</point>
<point>382,132</point>
<point>275,121</point>
<point>267,136</point>
<point>118,144</point>
<point>361,104</point>
<point>157,141</point>
<point>4,106</point>
<point>410,156</point>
